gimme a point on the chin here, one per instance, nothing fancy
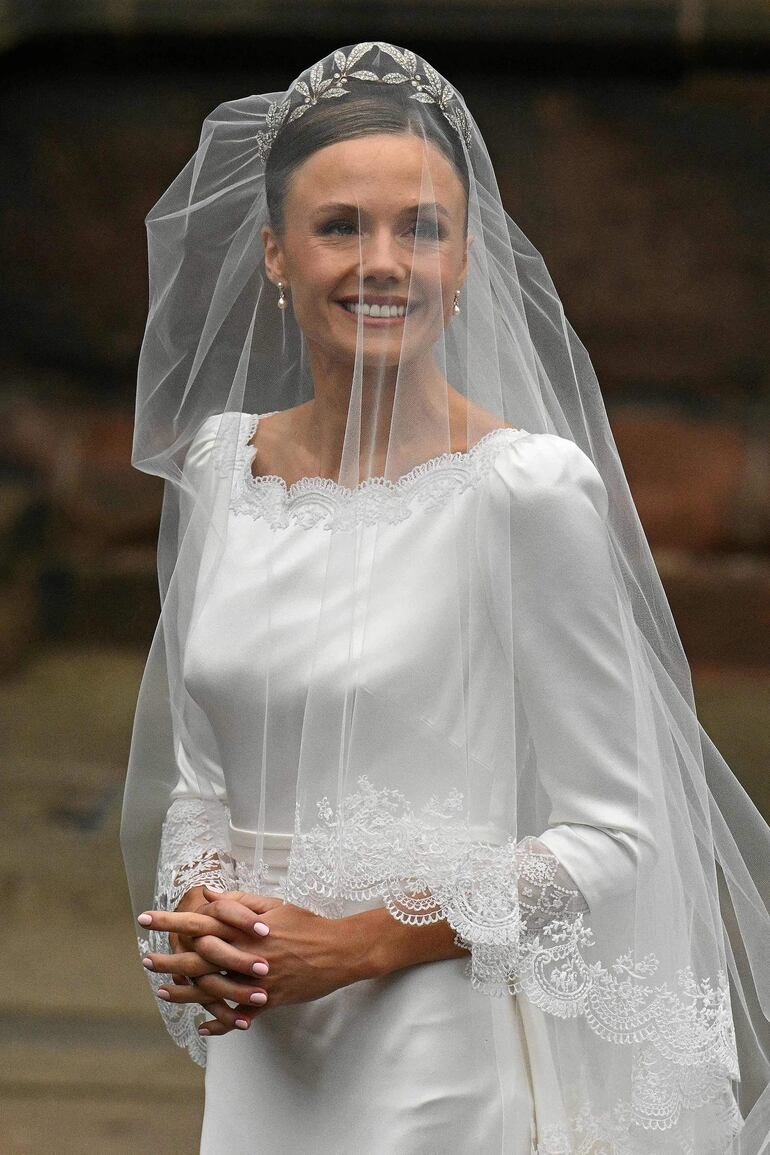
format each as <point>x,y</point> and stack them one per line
<point>381,350</point>
<point>390,349</point>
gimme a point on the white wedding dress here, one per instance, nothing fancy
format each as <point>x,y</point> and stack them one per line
<point>419,1062</point>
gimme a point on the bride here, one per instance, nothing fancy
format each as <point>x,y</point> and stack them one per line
<point>416,728</point>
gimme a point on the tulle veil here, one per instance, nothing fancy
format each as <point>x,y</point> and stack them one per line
<point>559,705</point>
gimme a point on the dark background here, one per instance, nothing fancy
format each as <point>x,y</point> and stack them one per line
<point>631,143</point>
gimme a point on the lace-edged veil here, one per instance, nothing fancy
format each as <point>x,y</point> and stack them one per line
<point>411,412</point>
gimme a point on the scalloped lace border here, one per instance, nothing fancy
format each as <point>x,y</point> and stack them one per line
<point>321,501</point>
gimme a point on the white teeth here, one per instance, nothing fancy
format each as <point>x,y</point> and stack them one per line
<point>375,310</point>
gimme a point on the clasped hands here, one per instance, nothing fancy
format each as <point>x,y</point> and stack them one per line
<point>255,951</point>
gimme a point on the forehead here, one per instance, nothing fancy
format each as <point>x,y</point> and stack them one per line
<point>384,169</point>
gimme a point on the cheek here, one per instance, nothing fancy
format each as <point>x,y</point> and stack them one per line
<point>439,273</point>
<point>312,268</point>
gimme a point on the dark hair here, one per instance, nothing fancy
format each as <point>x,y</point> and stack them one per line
<point>368,110</point>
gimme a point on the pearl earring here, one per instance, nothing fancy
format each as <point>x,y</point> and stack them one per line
<point>456,305</point>
<point>282,302</point>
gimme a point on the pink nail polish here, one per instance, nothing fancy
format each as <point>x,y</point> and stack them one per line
<point>242,1024</point>
<point>260,968</point>
<point>147,962</point>
<point>261,928</point>
<point>145,919</point>
<point>163,994</point>
<point>259,997</point>
<point>203,1031</point>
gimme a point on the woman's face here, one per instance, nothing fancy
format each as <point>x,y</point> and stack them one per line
<point>372,222</point>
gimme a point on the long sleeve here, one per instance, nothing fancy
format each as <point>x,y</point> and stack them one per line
<point>195,829</point>
<point>573,667</point>
<point>194,844</point>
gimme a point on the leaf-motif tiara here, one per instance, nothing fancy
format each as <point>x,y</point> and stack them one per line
<point>429,88</point>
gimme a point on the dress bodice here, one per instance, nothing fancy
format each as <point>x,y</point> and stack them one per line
<point>279,635</point>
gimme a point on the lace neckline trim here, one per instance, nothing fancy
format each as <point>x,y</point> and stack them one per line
<point>312,501</point>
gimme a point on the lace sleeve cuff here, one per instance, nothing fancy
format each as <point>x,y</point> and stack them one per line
<point>545,916</point>
<point>188,857</point>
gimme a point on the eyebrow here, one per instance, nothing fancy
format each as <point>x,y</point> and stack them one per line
<point>426,206</point>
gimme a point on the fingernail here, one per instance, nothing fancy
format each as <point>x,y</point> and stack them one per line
<point>203,1031</point>
<point>163,994</point>
<point>261,928</point>
<point>147,962</point>
<point>145,919</point>
<point>260,968</point>
<point>214,889</point>
<point>259,997</point>
<point>242,1024</point>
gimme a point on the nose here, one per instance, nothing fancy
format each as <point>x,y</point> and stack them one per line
<point>382,257</point>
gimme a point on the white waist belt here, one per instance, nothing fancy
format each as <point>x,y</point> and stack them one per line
<point>246,840</point>
<point>243,842</point>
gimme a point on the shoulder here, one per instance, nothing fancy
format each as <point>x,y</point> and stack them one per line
<point>550,473</point>
<point>216,444</point>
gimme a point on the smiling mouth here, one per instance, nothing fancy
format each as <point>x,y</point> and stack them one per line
<point>380,312</point>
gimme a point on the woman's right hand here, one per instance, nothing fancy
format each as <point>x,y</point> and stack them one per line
<point>200,954</point>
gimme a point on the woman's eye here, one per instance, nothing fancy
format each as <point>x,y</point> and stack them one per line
<point>427,230</point>
<point>338,228</point>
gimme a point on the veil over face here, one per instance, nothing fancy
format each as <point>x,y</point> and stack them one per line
<point>411,628</point>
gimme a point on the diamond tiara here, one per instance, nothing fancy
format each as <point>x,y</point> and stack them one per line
<point>429,88</point>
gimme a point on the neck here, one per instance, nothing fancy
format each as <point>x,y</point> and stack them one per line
<point>424,401</point>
